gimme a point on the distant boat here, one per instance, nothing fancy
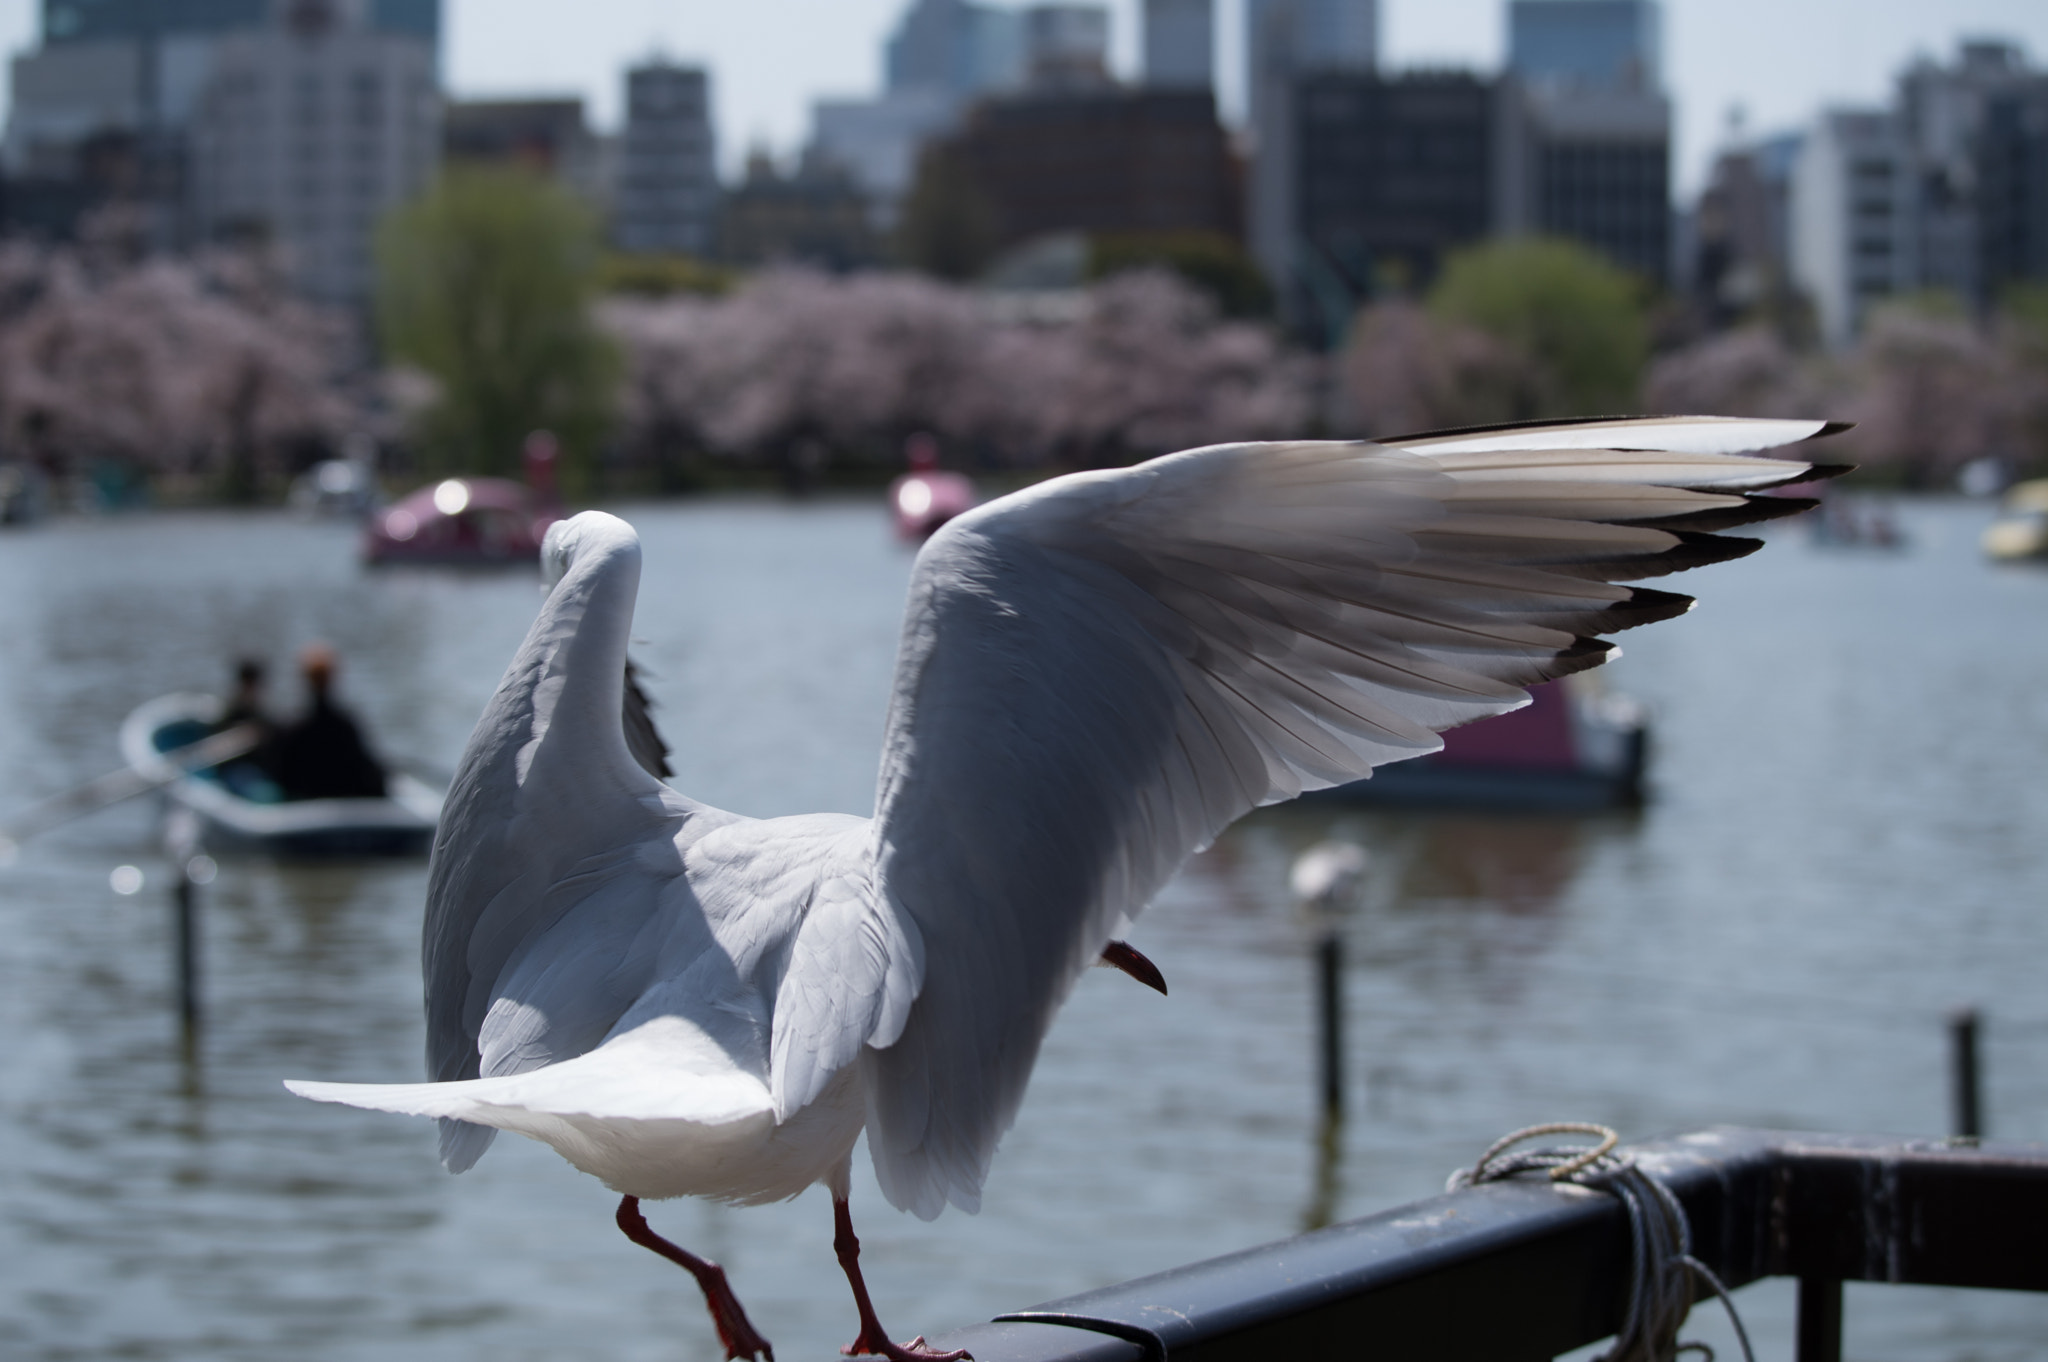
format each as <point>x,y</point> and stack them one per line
<point>2020,533</point>
<point>927,496</point>
<point>238,808</point>
<point>336,487</point>
<point>924,499</point>
<point>1573,748</point>
<point>461,522</point>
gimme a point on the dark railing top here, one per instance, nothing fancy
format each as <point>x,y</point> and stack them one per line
<point>1528,1270</point>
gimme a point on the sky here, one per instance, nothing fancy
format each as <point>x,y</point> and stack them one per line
<point>1777,60</point>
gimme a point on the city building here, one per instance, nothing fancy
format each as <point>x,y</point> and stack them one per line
<point>1741,252</point>
<point>1066,47</point>
<point>1180,44</point>
<point>103,110</point>
<point>1947,189</point>
<point>1584,146</point>
<point>962,48</point>
<point>1393,173</point>
<point>816,215</point>
<point>1105,160</point>
<point>308,130</point>
<point>75,21</point>
<point>1284,41</point>
<point>876,141</point>
<point>1977,134</point>
<point>1591,165</point>
<point>666,198</point>
<point>1563,45</point>
<point>1852,217</point>
<point>548,136</point>
<point>941,56</point>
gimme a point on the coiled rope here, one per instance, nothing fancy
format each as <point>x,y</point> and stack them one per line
<point>1661,1265</point>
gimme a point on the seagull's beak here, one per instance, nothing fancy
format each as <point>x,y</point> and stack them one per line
<point>1128,958</point>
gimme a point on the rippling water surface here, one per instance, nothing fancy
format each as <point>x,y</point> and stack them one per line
<point>1849,837</point>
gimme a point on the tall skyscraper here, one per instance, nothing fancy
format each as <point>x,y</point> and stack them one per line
<point>1395,172</point>
<point>1286,40</point>
<point>1585,141</point>
<point>666,201</point>
<point>942,55</point>
<point>1609,45</point>
<point>1180,44</point>
<point>963,48</point>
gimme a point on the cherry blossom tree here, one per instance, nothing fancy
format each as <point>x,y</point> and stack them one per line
<point>1138,364</point>
<point>1406,370</point>
<point>204,367</point>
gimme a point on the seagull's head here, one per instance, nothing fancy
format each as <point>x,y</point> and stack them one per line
<point>587,534</point>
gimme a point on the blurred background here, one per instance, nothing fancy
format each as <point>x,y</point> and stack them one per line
<point>314,313</point>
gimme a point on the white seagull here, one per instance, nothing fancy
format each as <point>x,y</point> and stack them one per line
<point>1097,675</point>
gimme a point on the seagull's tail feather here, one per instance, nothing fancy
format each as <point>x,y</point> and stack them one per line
<point>665,1069</point>
<point>463,1143</point>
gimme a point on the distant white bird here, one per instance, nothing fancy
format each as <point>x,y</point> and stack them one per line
<point>1097,675</point>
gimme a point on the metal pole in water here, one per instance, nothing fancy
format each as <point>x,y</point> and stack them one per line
<point>1330,981</point>
<point>184,901</point>
<point>1326,879</point>
<point>181,847</point>
<point>1966,1102</point>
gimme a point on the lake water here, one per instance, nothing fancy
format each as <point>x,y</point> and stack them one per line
<point>1849,837</point>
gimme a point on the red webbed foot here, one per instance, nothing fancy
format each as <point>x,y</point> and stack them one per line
<point>913,1351</point>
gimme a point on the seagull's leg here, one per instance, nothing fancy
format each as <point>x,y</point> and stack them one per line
<point>734,1331</point>
<point>873,1341</point>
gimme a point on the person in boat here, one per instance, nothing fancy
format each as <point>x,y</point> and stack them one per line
<point>245,702</point>
<point>249,775</point>
<point>322,755</point>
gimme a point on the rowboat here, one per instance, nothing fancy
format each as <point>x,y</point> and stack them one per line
<point>239,808</point>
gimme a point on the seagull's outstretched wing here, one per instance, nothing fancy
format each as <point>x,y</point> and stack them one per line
<point>1101,673</point>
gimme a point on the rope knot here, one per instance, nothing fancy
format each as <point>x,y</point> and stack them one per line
<point>1662,1268</point>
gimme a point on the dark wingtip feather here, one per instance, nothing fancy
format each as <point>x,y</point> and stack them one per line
<point>1645,605</point>
<point>643,739</point>
<point>1753,510</point>
<point>1808,472</point>
<point>1584,655</point>
<point>1692,550</point>
<point>1832,428</point>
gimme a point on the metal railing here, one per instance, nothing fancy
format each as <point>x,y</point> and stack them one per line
<point>1524,1270</point>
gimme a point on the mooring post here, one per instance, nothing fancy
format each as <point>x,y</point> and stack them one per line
<point>1326,880</point>
<point>181,847</point>
<point>1966,1098</point>
<point>184,900</point>
<point>1330,981</point>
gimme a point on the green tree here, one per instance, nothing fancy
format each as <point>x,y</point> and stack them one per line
<point>1577,320</point>
<point>948,228</point>
<point>486,284</point>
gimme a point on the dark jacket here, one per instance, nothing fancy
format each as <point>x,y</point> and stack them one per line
<point>323,756</point>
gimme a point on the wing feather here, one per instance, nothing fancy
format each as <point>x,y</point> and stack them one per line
<point>1101,673</point>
